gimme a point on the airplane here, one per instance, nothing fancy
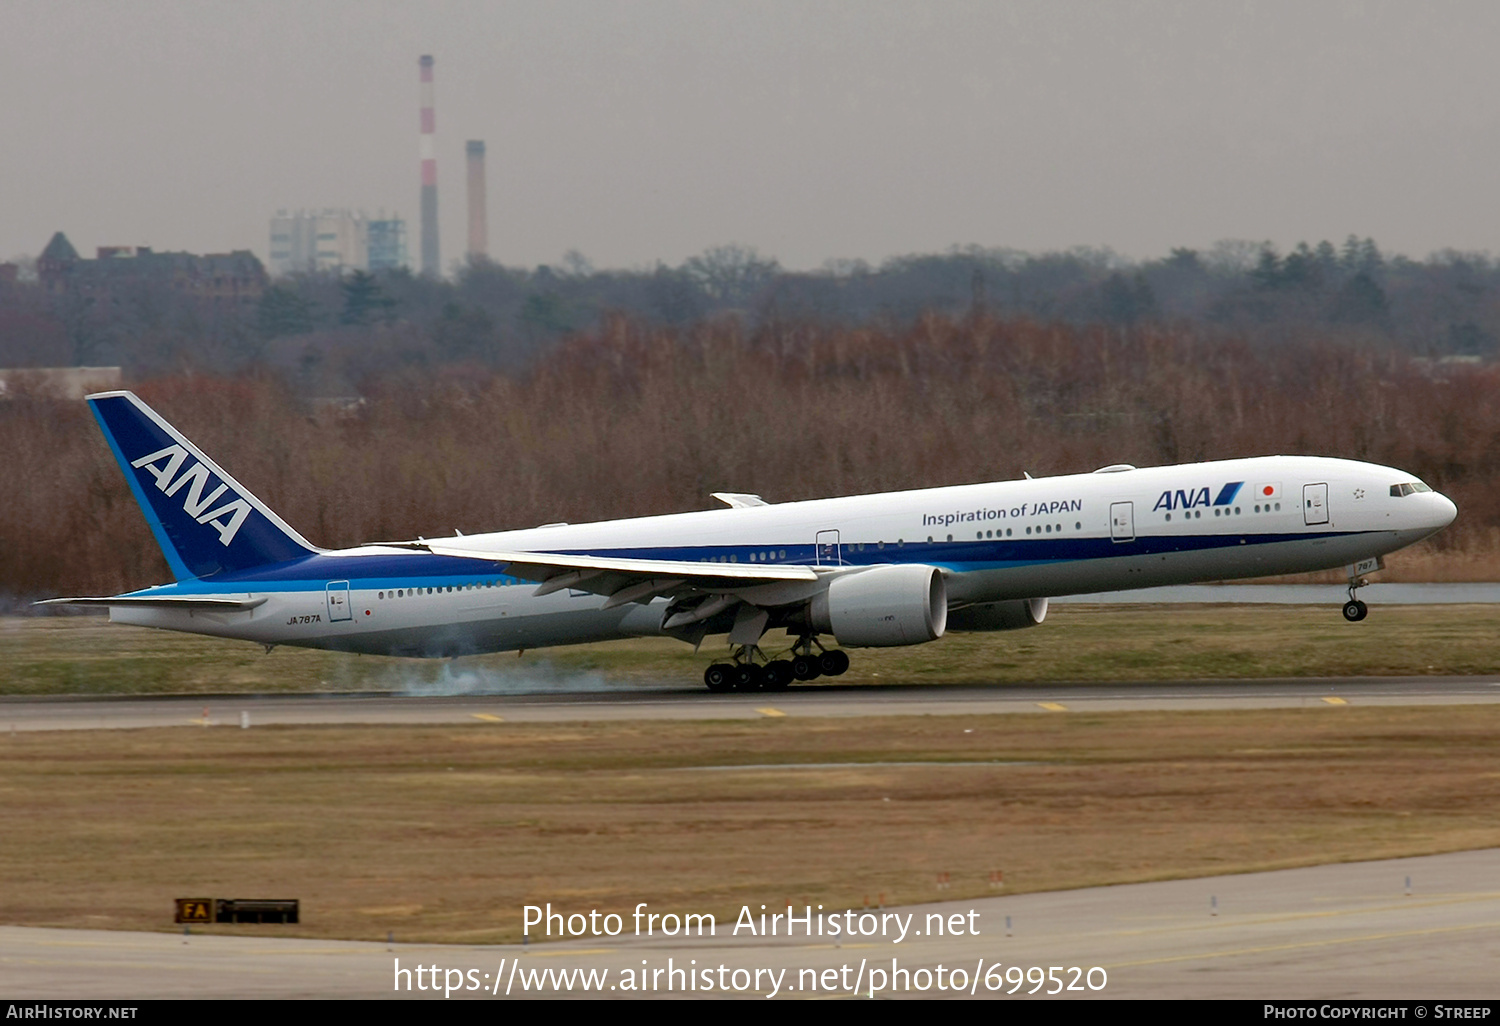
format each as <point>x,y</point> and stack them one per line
<point>898,568</point>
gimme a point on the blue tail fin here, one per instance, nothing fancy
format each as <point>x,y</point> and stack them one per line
<point>203,519</point>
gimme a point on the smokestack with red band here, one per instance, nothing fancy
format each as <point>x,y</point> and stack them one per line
<point>479,243</point>
<point>431,261</point>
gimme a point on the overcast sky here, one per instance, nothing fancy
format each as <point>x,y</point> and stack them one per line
<point>650,130</point>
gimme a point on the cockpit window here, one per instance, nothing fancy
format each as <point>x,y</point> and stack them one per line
<point>1408,488</point>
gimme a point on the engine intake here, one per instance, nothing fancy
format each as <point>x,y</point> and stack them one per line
<point>884,606</point>
<point>999,616</point>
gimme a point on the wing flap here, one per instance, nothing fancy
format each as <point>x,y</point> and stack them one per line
<point>543,566</point>
<point>621,579</point>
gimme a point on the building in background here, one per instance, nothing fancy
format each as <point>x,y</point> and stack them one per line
<point>126,273</point>
<point>335,240</point>
<point>387,245</point>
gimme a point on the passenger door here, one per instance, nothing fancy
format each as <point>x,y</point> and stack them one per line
<point>826,549</point>
<point>1122,521</point>
<point>1315,504</point>
<point>338,601</point>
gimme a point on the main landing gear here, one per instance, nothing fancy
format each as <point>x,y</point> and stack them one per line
<point>745,674</point>
<point>1354,609</point>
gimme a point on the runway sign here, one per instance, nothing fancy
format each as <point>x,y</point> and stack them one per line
<point>195,910</point>
<point>256,910</point>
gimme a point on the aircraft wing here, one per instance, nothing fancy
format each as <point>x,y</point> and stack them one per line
<point>621,580</point>
<point>160,602</point>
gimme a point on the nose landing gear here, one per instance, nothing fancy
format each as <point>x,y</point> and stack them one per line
<point>1354,609</point>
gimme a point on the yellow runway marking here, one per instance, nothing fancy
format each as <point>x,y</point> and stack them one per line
<point>1053,706</point>
<point>768,711</point>
<point>487,717</point>
<point>1331,700</point>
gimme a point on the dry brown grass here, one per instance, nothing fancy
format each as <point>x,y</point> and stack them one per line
<point>443,833</point>
<point>635,420</point>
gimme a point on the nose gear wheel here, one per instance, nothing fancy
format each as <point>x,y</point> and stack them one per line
<point>1354,609</point>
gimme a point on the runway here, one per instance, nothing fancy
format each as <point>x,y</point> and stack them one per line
<point>1327,932</point>
<point>1378,593</point>
<point>637,703</point>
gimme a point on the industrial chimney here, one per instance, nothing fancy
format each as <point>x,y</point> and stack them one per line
<point>479,243</point>
<point>432,263</point>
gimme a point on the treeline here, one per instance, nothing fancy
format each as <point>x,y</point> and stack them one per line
<point>324,332</point>
<point>635,418</point>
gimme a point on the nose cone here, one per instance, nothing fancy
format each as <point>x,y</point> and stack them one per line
<point>1443,511</point>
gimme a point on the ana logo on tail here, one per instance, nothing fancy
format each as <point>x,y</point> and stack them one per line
<point>227,518</point>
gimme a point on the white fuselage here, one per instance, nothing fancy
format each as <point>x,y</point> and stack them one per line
<point>1005,540</point>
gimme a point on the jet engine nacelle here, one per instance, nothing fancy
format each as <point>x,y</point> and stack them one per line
<point>883,606</point>
<point>999,616</point>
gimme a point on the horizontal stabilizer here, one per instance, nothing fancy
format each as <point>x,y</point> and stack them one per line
<point>161,602</point>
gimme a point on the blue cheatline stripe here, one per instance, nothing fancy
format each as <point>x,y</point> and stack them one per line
<point>979,551</point>
<point>174,561</point>
<point>423,570</point>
